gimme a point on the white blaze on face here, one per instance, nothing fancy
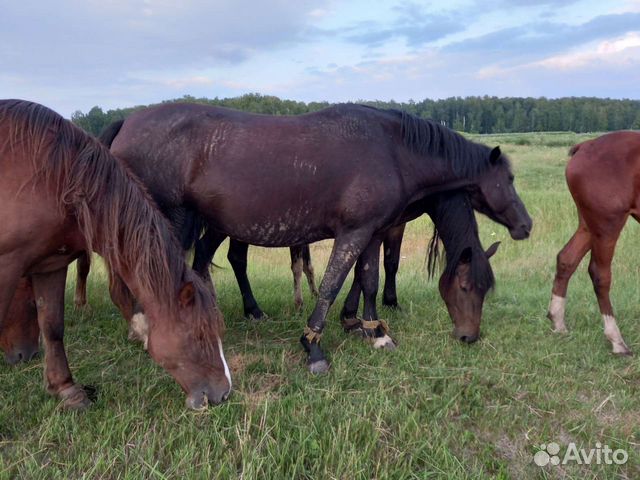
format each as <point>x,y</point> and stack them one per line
<point>139,329</point>
<point>224,362</point>
<point>556,312</point>
<point>612,332</point>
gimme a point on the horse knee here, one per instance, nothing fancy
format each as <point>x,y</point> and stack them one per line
<point>565,265</point>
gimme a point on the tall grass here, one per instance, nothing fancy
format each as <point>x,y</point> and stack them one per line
<point>434,408</point>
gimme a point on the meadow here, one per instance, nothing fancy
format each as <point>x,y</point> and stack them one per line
<point>433,408</point>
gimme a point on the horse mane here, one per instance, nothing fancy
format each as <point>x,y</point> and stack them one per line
<point>425,137</point>
<point>456,228</point>
<point>114,212</point>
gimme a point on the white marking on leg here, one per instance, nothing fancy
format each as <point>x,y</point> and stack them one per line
<point>612,332</point>
<point>556,313</point>
<point>226,367</point>
<point>383,342</point>
<point>139,329</point>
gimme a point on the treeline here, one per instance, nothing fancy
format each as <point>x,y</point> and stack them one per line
<point>469,114</point>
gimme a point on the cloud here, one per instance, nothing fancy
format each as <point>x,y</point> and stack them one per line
<point>76,38</point>
<point>539,39</point>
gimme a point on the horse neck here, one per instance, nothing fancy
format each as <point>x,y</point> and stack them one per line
<point>454,219</point>
<point>424,176</point>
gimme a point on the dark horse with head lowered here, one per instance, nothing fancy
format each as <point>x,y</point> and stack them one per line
<point>348,172</point>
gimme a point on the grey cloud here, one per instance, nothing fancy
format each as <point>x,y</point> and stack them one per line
<point>91,40</point>
<point>541,38</point>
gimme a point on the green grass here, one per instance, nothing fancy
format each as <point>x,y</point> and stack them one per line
<point>434,408</point>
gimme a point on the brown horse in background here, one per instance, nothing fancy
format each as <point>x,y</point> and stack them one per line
<point>603,176</point>
<point>62,193</point>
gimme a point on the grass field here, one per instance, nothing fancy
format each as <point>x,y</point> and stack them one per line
<point>434,408</point>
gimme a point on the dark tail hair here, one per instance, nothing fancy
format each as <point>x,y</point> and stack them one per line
<point>109,133</point>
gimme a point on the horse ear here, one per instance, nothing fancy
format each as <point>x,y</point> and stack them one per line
<point>495,155</point>
<point>491,251</point>
<point>465,256</point>
<point>187,294</point>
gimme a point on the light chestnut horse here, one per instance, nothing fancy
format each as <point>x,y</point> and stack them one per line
<point>603,176</point>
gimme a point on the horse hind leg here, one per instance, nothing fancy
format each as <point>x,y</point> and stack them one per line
<point>49,293</point>
<point>567,261</point>
<point>600,273</point>
<point>83,265</point>
<point>296,269</point>
<point>307,268</point>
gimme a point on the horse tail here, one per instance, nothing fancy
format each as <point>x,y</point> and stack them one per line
<point>573,150</point>
<point>193,227</point>
<point>109,133</point>
<point>433,253</point>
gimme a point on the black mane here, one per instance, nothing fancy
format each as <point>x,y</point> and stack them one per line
<point>426,137</point>
<point>456,228</point>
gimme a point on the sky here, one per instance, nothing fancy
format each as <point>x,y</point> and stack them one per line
<point>75,54</point>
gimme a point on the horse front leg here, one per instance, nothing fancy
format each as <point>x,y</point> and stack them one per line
<point>48,289</point>
<point>346,249</point>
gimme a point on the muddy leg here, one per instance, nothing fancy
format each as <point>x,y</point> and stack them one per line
<point>83,265</point>
<point>49,293</point>
<point>346,250</point>
<point>296,269</point>
<point>349,312</point>
<point>392,244</point>
<point>600,271</point>
<point>568,260</point>
<point>367,271</point>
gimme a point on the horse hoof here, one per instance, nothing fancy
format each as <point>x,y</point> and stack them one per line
<point>394,305</point>
<point>384,342</point>
<point>623,351</point>
<point>318,367</point>
<point>256,316</point>
<point>562,329</point>
<point>74,398</point>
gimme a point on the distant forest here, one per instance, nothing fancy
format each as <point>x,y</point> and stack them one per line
<point>469,114</point>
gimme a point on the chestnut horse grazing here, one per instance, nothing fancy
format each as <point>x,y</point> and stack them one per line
<point>602,175</point>
<point>347,172</point>
<point>62,193</point>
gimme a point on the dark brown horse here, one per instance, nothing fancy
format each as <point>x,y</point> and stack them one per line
<point>348,172</point>
<point>465,281</point>
<point>62,193</point>
<point>603,178</point>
